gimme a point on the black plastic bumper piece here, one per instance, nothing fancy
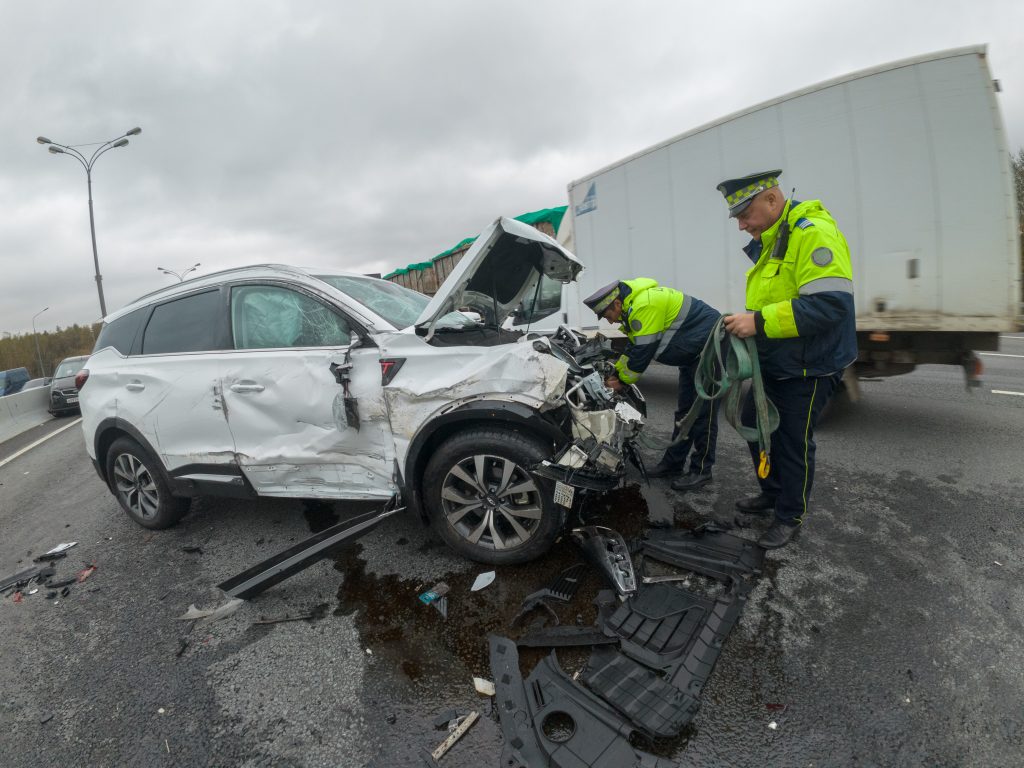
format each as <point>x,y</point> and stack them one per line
<point>550,722</point>
<point>678,632</point>
<point>650,703</point>
<point>707,550</point>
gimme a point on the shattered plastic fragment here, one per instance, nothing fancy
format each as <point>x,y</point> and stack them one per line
<point>62,547</point>
<point>773,725</point>
<point>212,614</point>
<point>455,735</point>
<point>85,573</point>
<point>483,687</point>
<point>438,590</point>
<point>481,581</point>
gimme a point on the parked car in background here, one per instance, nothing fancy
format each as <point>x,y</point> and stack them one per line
<point>37,383</point>
<point>13,380</point>
<point>275,381</point>
<point>63,392</point>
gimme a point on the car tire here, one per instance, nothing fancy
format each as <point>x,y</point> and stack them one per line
<point>509,518</point>
<point>138,483</point>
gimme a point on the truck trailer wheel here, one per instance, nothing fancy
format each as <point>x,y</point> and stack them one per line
<point>483,502</point>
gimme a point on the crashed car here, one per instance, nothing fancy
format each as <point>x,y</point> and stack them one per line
<point>274,381</point>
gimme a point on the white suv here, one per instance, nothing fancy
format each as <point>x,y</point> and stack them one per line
<point>285,382</point>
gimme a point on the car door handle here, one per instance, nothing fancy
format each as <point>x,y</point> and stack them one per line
<point>247,386</point>
<point>135,386</point>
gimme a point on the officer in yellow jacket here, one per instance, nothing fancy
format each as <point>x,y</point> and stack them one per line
<point>663,324</point>
<point>800,309</point>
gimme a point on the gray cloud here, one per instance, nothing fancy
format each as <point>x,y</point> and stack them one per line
<point>373,135</point>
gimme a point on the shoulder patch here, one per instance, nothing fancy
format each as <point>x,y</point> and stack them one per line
<point>636,325</point>
<point>804,223</point>
<point>822,256</point>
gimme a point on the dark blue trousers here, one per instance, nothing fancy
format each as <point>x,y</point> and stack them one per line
<point>792,454</point>
<point>703,435</point>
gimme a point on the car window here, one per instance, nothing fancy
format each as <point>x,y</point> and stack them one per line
<point>190,324</point>
<point>68,368</point>
<point>538,304</point>
<point>397,304</point>
<point>272,317</point>
<point>120,333</point>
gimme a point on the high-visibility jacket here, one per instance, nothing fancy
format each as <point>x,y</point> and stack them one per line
<point>660,324</point>
<point>803,298</point>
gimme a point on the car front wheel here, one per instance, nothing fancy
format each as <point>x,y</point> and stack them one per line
<point>137,480</point>
<point>483,501</point>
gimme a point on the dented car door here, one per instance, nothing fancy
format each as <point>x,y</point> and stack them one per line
<point>303,397</point>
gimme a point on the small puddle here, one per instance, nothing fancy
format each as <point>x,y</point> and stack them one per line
<point>423,663</point>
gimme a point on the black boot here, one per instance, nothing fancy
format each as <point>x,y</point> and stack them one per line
<point>762,504</point>
<point>779,535</point>
<point>663,468</point>
<point>691,481</point>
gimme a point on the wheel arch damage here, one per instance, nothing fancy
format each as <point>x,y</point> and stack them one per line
<point>489,412</point>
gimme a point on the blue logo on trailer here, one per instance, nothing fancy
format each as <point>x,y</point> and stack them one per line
<point>589,202</point>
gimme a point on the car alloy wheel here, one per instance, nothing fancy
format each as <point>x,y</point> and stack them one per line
<point>491,502</point>
<point>136,487</point>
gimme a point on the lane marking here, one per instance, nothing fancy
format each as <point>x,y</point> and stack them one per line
<point>1006,392</point>
<point>40,441</point>
<point>998,354</point>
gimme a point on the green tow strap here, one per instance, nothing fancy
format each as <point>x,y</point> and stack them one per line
<point>719,376</point>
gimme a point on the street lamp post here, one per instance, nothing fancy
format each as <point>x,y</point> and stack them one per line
<point>42,371</point>
<point>179,275</point>
<point>62,149</point>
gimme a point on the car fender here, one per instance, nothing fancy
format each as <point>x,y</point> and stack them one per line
<point>484,410</point>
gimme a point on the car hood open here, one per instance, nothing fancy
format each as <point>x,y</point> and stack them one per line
<point>500,269</point>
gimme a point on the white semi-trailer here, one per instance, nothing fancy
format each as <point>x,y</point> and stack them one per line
<point>910,158</point>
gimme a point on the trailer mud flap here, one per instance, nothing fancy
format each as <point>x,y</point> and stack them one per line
<point>297,558</point>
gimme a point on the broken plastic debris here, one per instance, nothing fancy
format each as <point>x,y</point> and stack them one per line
<point>85,573</point>
<point>997,562</point>
<point>455,735</point>
<point>773,725</point>
<point>483,580</point>
<point>438,590</point>
<point>160,711</point>
<point>369,652</point>
<point>483,687</point>
<point>62,547</point>
<point>212,614</point>
<point>441,604</point>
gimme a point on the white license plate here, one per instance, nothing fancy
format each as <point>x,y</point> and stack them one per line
<point>564,494</point>
<point>70,400</point>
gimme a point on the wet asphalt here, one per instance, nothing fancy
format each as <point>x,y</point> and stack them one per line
<point>889,634</point>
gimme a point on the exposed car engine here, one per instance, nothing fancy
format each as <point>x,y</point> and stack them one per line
<point>603,424</point>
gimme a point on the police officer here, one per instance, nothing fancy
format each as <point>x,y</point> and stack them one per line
<point>800,309</point>
<point>665,325</point>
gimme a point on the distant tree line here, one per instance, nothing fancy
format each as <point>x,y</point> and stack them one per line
<point>20,351</point>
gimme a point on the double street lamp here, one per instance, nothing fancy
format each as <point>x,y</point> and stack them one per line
<point>63,149</point>
<point>179,275</point>
<point>42,371</point>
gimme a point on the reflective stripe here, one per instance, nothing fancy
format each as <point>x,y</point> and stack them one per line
<point>670,332</point>
<point>823,284</point>
<point>641,341</point>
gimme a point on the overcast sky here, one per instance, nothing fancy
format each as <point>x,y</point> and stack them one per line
<point>372,135</point>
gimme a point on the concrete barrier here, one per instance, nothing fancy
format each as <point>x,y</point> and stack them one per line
<point>22,411</point>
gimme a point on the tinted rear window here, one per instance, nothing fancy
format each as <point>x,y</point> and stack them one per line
<point>120,333</point>
<point>191,324</point>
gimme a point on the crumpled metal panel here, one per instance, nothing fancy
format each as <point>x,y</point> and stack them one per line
<point>291,436</point>
<point>433,378</point>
